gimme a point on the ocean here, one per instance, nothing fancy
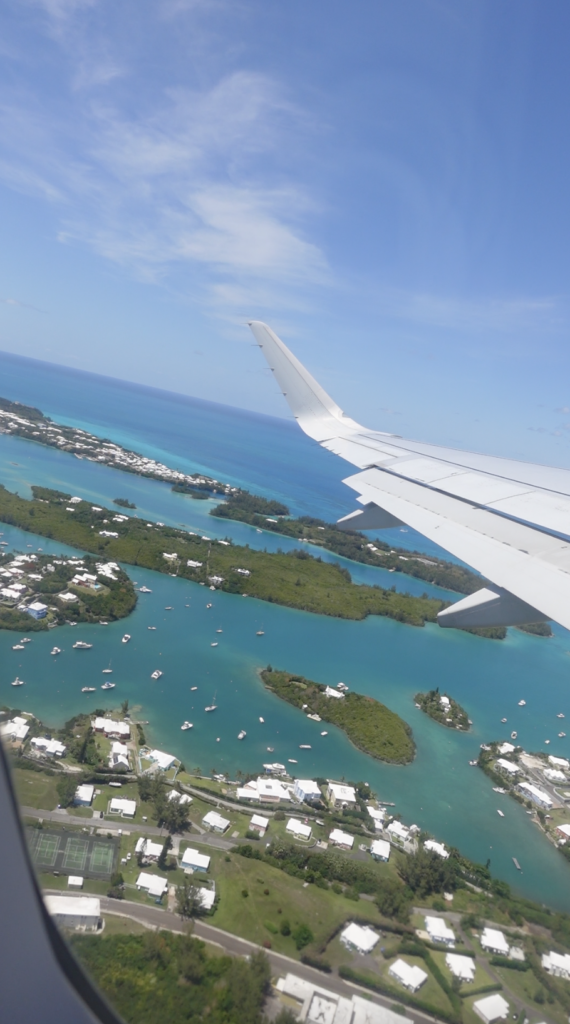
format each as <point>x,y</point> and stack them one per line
<point>388,660</point>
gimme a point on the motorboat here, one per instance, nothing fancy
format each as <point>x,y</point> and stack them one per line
<point>145,590</point>
<point>215,644</point>
<point>217,739</point>
<point>561,735</point>
<point>18,647</point>
<point>522,703</point>
<point>292,760</point>
<point>501,813</point>
<point>211,707</point>
<point>186,725</point>
<point>503,720</point>
<point>56,650</point>
<point>242,734</point>
<point>547,742</point>
<point>315,718</point>
<point>325,733</point>
<point>209,605</point>
<point>88,689</point>
<point>262,720</point>
<point>168,608</point>
<point>499,789</point>
<point>304,746</point>
<point>80,645</point>
<point>270,750</point>
<point>514,735</point>
<point>260,632</point>
<point>108,686</point>
<point>473,764</point>
<point>151,627</point>
<point>18,682</point>
<point>560,715</point>
<point>219,631</point>
<point>156,674</point>
<point>193,687</point>
<point>125,639</point>
<point>26,640</point>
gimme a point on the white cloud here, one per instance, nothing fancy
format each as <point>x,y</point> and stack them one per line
<point>461,314</point>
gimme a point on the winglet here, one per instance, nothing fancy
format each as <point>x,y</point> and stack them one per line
<point>316,412</point>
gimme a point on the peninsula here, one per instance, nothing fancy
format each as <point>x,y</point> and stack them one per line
<point>369,725</point>
<point>443,709</point>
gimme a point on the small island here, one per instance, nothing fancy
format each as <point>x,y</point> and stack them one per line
<point>443,709</point>
<point>369,725</point>
<point>124,503</point>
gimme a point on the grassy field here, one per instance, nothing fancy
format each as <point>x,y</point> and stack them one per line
<point>295,579</point>
<point>36,789</point>
<point>115,925</point>
<point>370,725</point>
<point>481,976</point>
<point>525,986</point>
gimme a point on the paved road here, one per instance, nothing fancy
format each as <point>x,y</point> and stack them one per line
<point>63,818</point>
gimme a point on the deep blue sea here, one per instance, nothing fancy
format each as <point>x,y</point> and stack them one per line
<point>388,660</point>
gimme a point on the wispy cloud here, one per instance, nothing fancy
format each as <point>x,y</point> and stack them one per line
<point>459,314</point>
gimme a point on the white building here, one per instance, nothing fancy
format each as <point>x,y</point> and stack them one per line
<point>563,831</point>
<point>151,851</point>
<point>194,860</point>
<point>398,831</point>
<point>507,766</point>
<point>410,976</point>
<point>248,792</point>
<point>271,791</point>
<point>259,824</point>
<point>559,762</point>
<point>163,760</point>
<point>111,728</point>
<point>494,941</point>
<point>126,808</point>
<point>16,729</point>
<point>380,849</point>
<point>339,795</point>
<point>316,1005</point>
<point>298,829</point>
<point>491,1008</point>
<point>438,931</point>
<point>362,939</point>
<point>506,748</point>
<point>75,882</point>
<point>179,798</point>
<point>52,748</point>
<point>536,794</point>
<point>306,790</point>
<point>377,814</point>
<point>82,912</point>
<point>154,884</point>
<point>342,839</point>
<point>439,848</point>
<point>329,692</point>
<point>215,823</point>
<point>83,796</point>
<point>557,964</point>
<point>207,897</point>
<point>554,775</point>
<point>462,967</point>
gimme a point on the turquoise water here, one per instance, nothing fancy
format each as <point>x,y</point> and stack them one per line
<point>390,661</point>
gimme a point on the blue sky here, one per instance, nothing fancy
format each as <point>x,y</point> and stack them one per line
<point>386,183</point>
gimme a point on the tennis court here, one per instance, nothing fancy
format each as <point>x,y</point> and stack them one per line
<point>75,855</point>
<point>46,850</point>
<point>102,857</point>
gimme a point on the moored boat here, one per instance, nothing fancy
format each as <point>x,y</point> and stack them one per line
<point>211,707</point>
<point>145,590</point>
<point>186,725</point>
<point>215,644</point>
<point>156,674</point>
<point>561,735</point>
<point>242,734</point>
<point>304,746</point>
<point>125,639</point>
<point>324,733</point>
<point>514,735</point>
<point>108,686</point>
<point>262,720</point>
<point>18,682</point>
<point>88,689</point>
<point>260,632</point>
<point>18,647</point>
<point>55,650</point>
<point>522,703</point>
<point>501,813</point>
<point>80,645</point>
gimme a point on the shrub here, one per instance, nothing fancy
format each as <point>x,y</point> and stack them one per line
<point>245,893</point>
<point>302,936</point>
<point>285,928</point>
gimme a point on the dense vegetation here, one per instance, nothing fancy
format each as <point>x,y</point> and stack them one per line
<point>170,814</point>
<point>296,579</point>
<point>124,503</point>
<point>160,977</point>
<point>115,600</point>
<point>243,505</point>
<point>451,714</point>
<point>370,725</point>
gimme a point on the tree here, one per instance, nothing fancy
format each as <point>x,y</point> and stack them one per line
<point>124,706</point>
<point>188,902</point>
<point>393,899</point>
<point>162,860</point>
<point>66,789</point>
<point>302,936</point>
<point>426,872</point>
<point>171,813</point>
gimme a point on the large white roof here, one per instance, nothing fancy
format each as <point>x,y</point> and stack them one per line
<point>460,966</point>
<point>363,938</point>
<point>491,1008</point>
<point>298,828</point>
<point>410,975</point>
<point>154,884</point>
<point>194,859</point>
<point>76,906</point>
<point>341,838</point>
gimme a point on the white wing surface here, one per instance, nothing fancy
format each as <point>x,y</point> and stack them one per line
<point>509,520</point>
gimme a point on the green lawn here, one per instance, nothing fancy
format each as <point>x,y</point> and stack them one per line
<point>121,926</point>
<point>525,986</point>
<point>481,975</point>
<point>36,789</point>
<point>128,791</point>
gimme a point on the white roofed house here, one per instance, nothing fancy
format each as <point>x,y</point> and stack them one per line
<point>358,937</point>
<point>559,762</point>
<point>380,849</point>
<point>491,1008</point>
<point>563,831</point>
<point>181,798</point>
<point>259,824</point>
<point>462,967</point>
<point>83,795</point>
<point>329,692</point>
<point>153,884</point>
<point>557,964</point>
<point>298,829</point>
<point>554,775</point>
<point>271,790</point>
<point>494,941</point>
<point>126,808</point>
<point>378,815</point>
<point>438,931</point>
<point>77,912</point>
<point>410,976</point>
<point>536,794</point>
<point>342,839</point>
<point>507,766</point>
<point>147,849</point>
<point>193,860</point>
<point>306,790</point>
<point>119,757</point>
<point>215,823</point>
<point>161,759</point>
<point>16,729</point>
<point>339,795</point>
<point>52,748</point>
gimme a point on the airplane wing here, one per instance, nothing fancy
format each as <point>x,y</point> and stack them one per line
<point>509,520</point>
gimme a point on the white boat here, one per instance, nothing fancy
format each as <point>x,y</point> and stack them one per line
<point>498,789</point>
<point>168,608</point>
<point>292,760</point>
<point>186,725</point>
<point>215,644</point>
<point>315,718</point>
<point>270,750</point>
<point>88,689</point>
<point>56,650</point>
<point>18,682</point>
<point>242,734</point>
<point>257,531</point>
<point>108,686</point>
<point>18,647</point>
<point>82,646</point>
<point>547,742</point>
<point>156,674</point>
<point>145,590</point>
<point>522,703</point>
<point>503,720</point>
<point>560,715</point>
<point>514,735</point>
<point>193,687</point>
<point>125,639</point>
<point>325,733</point>
<point>304,746</point>
<point>211,707</point>
<point>209,605</point>
<point>260,632</point>
<point>151,627</point>
<point>500,812</point>
<point>262,720</point>
<point>219,631</point>
<point>473,764</point>
<point>561,735</point>
<point>25,640</point>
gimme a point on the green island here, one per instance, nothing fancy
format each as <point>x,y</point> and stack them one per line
<point>369,725</point>
<point>124,503</point>
<point>443,709</point>
<point>61,590</point>
<point>295,579</point>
